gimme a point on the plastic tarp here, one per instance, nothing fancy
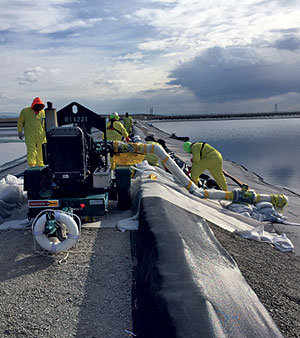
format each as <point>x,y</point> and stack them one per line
<point>187,283</point>
<point>281,242</point>
<point>262,211</point>
<point>165,186</point>
<point>130,223</point>
<point>13,202</point>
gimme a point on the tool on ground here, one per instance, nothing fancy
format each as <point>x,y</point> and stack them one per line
<point>234,179</point>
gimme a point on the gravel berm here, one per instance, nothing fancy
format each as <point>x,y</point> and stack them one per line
<point>87,295</point>
<point>273,275</point>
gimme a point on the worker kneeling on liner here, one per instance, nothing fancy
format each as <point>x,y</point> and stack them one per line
<point>115,129</point>
<point>206,157</point>
<point>32,119</point>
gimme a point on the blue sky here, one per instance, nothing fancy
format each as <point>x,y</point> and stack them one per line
<point>179,56</point>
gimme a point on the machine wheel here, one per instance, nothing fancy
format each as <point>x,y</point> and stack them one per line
<point>124,199</point>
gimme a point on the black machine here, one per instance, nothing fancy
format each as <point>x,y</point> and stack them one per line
<point>77,173</point>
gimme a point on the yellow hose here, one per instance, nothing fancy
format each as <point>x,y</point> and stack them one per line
<point>237,195</point>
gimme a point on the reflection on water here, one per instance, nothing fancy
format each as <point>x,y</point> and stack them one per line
<point>268,147</point>
<point>11,148</point>
<point>9,134</point>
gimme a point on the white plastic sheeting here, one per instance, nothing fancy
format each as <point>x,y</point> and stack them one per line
<point>281,242</point>
<point>156,182</point>
<point>13,201</point>
<point>262,211</point>
<point>130,223</point>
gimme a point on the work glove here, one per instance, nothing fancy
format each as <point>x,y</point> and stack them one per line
<point>21,136</point>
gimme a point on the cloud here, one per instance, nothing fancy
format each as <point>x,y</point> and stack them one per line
<point>130,57</point>
<point>157,45</point>
<point>115,82</point>
<point>72,25</point>
<point>290,42</point>
<point>3,96</point>
<point>27,17</point>
<point>34,74</point>
<point>31,75</point>
<point>129,50</point>
<point>235,74</point>
<point>23,16</point>
<point>115,85</point>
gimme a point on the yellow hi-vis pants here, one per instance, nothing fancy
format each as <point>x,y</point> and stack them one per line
<point>34,155</point>
<point>212,162</point>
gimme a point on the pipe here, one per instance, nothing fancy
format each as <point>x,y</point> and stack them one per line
<point>50,117</point>
<point>237,195</point>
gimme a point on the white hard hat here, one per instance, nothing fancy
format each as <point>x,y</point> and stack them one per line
<point>114,115</point>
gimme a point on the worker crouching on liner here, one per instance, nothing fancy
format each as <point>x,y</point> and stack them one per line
<point>206,157</point>
<point>32,119</point>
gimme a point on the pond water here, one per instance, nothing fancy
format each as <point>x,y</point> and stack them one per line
<point>268,147</point>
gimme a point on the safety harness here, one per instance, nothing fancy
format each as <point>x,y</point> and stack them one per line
<point>203,144</point>
<point>111,127</point>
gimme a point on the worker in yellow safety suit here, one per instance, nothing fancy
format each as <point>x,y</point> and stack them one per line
<point>115,130</point>
<point>128,123</point>
<point>32,119</point>
<point>206,157</point>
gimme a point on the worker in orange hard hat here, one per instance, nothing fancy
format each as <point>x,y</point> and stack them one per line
<point>32,120</point>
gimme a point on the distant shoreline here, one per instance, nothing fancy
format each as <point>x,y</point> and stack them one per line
<point>225,116</point>
<point>12,121</point>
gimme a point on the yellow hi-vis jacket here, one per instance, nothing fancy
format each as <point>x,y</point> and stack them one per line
<point>34,132</point>
<point>115,131</point>
<point>207,157</point>
<point>128,124</point>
